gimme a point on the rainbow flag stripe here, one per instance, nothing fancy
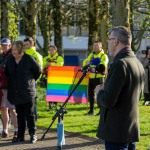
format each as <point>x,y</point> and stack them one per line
<point>61,82</point>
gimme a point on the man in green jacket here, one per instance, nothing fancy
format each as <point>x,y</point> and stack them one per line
<point>119,119</point>
<point>30,50</point>
<point>95,77</point>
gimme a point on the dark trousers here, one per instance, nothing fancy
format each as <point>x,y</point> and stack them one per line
<point>25,112</point>
<point>146,97</point>
<point>118,146</point>
<point>92,84</point>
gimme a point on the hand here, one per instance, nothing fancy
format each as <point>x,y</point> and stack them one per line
<point>48,64</point>
<point>98,88</point>
<point>148,56</point>
<point>88,62</point>
<point>92,69</point>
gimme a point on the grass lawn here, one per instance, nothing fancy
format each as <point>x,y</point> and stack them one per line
<point>75,121</point>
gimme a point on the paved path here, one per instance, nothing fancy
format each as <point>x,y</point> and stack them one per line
<point>74,141</point>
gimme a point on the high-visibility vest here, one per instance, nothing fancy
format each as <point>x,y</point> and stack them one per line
<point>103,60</point>
<point>55,60</point>
<point>32,52</point>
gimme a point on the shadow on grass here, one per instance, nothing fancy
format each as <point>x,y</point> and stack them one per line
<point>143,134</point>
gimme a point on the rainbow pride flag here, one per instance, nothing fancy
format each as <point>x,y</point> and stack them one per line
<point>61,82</point>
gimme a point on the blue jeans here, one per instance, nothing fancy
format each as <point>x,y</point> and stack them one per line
<point>119,146</point>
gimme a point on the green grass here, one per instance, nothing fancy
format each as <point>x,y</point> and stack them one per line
<point>75,121</point>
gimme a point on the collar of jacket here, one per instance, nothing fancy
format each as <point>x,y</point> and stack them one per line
<point>52,57</point>
<point>30,51</point>
<point>124,52</point>
<point>100,52</point>
<point>7,53</point>
<point>98,55</point>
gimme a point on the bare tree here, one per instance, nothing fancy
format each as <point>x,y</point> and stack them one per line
<point>9,20</point>
<point>45,23</point>
<point>120,12</point>
<point>29,10</point>
<point>104,22</point>
<point>140,24</point>
<point>93,23</point>
<point>57,18</point>
<point>4,19</point>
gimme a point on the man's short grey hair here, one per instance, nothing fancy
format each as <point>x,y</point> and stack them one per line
<point>123,34</point>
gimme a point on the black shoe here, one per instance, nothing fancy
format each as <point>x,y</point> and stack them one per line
<point>90,113</point>
<point>15,136</point>
<point>16,140</point>
<point>33,138</point>
<point>4,135</point>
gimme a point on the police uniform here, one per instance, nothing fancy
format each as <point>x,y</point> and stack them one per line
<point>95,78</point>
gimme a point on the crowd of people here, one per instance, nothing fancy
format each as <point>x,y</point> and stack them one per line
<point>22,66</point>
<point>118,88</point>
<point>18,96</point>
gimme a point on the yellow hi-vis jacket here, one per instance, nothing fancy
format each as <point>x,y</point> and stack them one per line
<point>32,52</point>
<point>54,60</point>
<point>103,60</point>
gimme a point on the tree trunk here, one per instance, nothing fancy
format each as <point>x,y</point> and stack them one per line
<point>4,19</point>
<point>131,26</point>
<point>57,18</point>
<point>29,11</point>
<point>93,23</point>
<point>121,13</point>
<point>44,22</point>
<point>104,25</point>
<point>142,25</point>
<point>30,26</point>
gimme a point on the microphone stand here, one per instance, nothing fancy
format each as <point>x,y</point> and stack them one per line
<point>61,111</point>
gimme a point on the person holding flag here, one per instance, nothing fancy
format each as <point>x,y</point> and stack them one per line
<point>52,59</point>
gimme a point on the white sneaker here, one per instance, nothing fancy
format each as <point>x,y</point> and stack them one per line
<point>147,103</point>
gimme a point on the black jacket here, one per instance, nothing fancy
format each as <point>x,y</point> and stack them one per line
<point>3,57</point>
<point>119,122</point>
<point>21,79</point>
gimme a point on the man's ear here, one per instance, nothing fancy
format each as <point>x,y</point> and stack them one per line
<point>116,41</point>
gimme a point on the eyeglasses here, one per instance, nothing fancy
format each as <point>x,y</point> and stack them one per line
<point>109,39</point>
